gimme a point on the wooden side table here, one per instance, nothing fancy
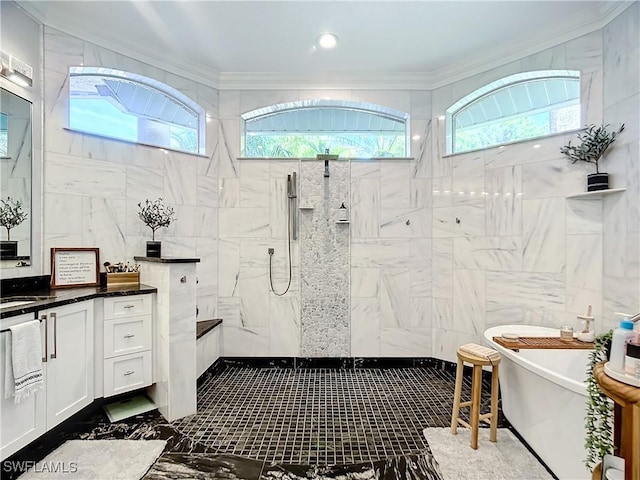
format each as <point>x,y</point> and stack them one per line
<point>626,423</point>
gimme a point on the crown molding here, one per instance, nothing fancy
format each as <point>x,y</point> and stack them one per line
<point>323,81</point>
<point>333,81</point>
<point>544,40</point>
<point>176,65</point>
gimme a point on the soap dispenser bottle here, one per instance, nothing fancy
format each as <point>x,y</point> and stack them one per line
<point>619,339</point>
<point>342,215</point>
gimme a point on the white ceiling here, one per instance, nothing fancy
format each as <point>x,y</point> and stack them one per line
<point>432,41</point>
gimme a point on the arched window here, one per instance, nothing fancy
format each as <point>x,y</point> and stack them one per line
<point>126,106</point>
<point>305,128</point>
<point>519,107</point>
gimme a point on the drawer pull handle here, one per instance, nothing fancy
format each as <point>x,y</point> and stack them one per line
<point>130,372</point>
<point>54,317</point>
<point>129,306</point>
<point>129,335</point>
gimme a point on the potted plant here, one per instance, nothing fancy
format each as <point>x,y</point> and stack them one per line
<point>594,142</point>
<point>155,215</point>
<point>599,420</point>
<point>11,215</point>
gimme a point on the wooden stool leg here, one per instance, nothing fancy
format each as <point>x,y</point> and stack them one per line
<point>493,435</point>
<point>456,398</point>
<point>476,389</point>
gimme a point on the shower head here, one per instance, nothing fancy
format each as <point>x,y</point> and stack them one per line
<point>326,168</point>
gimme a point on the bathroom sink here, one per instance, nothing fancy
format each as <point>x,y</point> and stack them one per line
<point>17,301</point>
<point>14,303</point>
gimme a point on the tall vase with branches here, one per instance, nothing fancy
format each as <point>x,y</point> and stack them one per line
<point>155,214</point>
<point>594,142</point>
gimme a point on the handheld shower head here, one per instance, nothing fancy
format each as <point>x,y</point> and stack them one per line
<point>326,168</point>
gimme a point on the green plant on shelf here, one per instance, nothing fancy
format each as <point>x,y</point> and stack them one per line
<point>155,214</point>
<point>11,214</point>
<point>594,142</point>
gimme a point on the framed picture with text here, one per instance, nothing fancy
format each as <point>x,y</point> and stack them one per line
<point>75,267</point>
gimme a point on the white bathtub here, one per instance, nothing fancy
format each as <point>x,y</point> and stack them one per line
<point>544,397</point>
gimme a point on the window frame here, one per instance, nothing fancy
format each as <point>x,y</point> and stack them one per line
<point>500,84</point>
<point>171,92</point>
<point>365,107</point>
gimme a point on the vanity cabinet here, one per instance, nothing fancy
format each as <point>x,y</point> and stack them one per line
<point>127,339</point>
<point>67,336</point>
<point>20,423</point>
<point>69,376</point>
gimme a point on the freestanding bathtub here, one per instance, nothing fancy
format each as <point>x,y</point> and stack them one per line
<point>544,397</point>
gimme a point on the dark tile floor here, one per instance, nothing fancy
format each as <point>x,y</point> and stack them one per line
<point>320,416</point>
<point>285,423</point>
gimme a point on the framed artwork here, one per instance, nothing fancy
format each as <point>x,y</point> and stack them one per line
<point>75,267</point>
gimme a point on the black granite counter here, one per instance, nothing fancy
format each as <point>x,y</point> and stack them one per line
<point>166,259</point>
<point>49,298</point>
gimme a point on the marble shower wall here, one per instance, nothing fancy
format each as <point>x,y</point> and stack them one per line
<point>621,214</point>
<point>389,251</point>
<point>93,185</point>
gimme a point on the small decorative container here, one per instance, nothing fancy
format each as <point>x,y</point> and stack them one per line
<point>153,249</point>
<point>123,278</point>
<point>8,249</point>
<point>632,360</point>
<point>566,333</point>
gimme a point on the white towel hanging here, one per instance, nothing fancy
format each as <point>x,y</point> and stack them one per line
<point>23,361</point>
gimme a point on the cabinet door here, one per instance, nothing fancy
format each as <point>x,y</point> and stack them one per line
<point>70,363</point>
<point>20,423</point>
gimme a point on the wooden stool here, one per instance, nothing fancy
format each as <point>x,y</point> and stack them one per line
<point>482,356</point>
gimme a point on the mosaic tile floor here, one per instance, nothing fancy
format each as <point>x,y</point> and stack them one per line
<point>321,416</point>
<point>284,424</point>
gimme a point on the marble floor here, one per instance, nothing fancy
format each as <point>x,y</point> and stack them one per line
<point>285,423</point>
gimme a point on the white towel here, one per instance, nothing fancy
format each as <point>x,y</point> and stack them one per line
<point>23,361</point>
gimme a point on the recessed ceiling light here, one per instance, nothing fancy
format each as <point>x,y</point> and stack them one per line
<point>327,40</point>
<point>416,137</point>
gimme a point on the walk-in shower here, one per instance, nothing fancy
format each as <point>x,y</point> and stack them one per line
<point>292,230</point>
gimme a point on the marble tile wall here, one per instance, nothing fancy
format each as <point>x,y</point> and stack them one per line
<point>388,265</point>
<point>93,185</point>
<point>521,252</point>
<point>621,213</point>
<point>430,267</point>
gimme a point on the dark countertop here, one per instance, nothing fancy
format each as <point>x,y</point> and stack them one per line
<point>205,326</point>
<point>65,296</point>
<point>166,259</point>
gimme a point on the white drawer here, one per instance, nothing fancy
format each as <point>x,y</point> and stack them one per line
<point>127,335</point>
<point>128,306</point>
<point>126,373</point>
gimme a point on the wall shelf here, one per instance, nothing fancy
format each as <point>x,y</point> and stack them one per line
<point>597,194</point>
<point>305,207</point>
<point>343,222</point>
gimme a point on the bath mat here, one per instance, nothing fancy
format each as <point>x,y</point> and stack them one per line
<point>98,460</point>
<point>507,459</point>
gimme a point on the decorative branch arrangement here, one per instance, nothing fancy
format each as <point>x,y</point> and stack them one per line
<point>594,143</point>
<point>599,421</point>
<point>155,215</point>
<point>11,214</point>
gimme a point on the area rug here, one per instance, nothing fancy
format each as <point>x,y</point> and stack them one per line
<point>97,460</point>
<point>507,459</point>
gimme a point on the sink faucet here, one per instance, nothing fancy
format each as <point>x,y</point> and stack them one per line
<point>631,318</point>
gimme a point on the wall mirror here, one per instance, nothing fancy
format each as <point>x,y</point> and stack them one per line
<point>16,153</point>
